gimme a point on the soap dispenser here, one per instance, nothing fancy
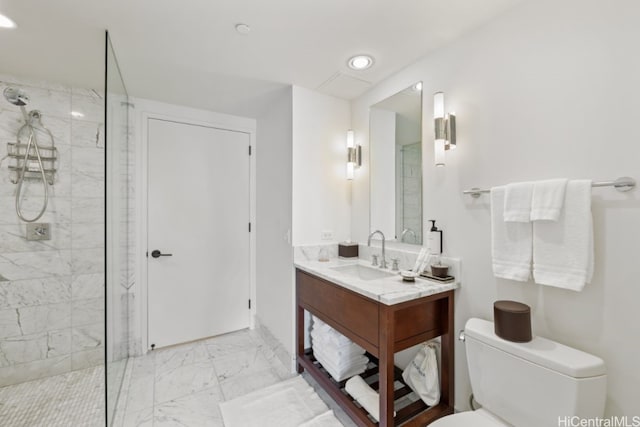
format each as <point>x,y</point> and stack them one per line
<point>434,241</point>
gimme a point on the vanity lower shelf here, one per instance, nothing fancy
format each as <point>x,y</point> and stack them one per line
<point>382,330</point>
<point>406,409</point>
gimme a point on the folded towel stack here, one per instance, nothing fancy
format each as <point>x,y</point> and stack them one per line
<point>336,353</point>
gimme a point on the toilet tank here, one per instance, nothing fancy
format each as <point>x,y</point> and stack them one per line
<point>532,384</point>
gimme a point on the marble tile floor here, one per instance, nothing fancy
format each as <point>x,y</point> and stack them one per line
<point>72,399</point>
<point>178,386</point>
<point>182,385</point>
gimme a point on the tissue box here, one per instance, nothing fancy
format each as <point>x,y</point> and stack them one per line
<point>348,250</point>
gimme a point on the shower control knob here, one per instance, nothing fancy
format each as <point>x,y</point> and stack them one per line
<point>157,254</point>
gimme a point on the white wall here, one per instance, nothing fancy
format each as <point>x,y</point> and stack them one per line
<point>274,285</point>
<point>321,192</point>
<point>550,89</point>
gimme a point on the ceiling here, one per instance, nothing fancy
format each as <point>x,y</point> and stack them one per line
<point>188,52</point>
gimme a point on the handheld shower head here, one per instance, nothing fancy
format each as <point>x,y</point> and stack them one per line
<point>16,96</point>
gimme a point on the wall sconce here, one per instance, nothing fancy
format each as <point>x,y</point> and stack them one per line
<point>445,129</point>
<point>354,154</point>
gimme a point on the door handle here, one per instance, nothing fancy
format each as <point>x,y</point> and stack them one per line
<point>157,254</point>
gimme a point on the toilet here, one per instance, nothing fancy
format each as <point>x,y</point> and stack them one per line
<point>530,384</point>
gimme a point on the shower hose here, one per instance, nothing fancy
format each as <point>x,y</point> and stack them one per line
<point>33,142</point>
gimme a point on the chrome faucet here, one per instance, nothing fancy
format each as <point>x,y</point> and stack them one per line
<point>383,261</point>
<point>409,231</point>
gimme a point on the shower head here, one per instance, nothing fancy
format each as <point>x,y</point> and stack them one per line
<point>16,96</point>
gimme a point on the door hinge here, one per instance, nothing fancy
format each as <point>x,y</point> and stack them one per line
<point>249,150</point>
<point>249,304</point>
<point>146,254</point>
<point>249,227</point>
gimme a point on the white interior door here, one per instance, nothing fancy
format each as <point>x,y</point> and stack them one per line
<point>198,211</point>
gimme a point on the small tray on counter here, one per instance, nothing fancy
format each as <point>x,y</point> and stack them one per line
<point>443,280</point>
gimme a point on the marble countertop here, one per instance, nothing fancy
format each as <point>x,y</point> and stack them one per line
<point>388,290</point>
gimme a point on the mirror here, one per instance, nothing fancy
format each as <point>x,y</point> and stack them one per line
<point>395,141</point>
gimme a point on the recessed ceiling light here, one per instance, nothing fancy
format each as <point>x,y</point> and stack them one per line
<point>5,22</point>
<point>360,62</point>
<point>77,114</point>
<point>243,29</point>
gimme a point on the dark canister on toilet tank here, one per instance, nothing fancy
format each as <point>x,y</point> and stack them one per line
<point>512,321</point>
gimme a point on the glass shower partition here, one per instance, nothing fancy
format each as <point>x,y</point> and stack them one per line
<point>65,279</point>
<point>118,228</point>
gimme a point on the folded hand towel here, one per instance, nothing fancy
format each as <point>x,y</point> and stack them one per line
<point>317,323</point>
<point>340,365</point>
<point>333,336</point>
<point>344,351</point>
<point>338,343</point>
<point>510,242</point>
<point>563,249</point>
<point>548,198</point>
<point>365,395</point>
<point>517,202</point>
<point>340,374</point>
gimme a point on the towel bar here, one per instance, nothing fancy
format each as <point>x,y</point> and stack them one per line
<point>622,184</point>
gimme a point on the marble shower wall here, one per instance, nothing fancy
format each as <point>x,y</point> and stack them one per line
<point>52,292</point>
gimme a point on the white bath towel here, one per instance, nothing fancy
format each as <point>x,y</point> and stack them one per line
<point>563,249</point>
<point>343,373</point>
<point>330,333</point>
<point>347,351</point>
<point>367,397</point>
<point>289,403</point>
<point>517,202</point>
<point>334,337</point>
<point>340,365</point>
<point>328,419</point>
<point>547,200</point>
<point>510,242</point>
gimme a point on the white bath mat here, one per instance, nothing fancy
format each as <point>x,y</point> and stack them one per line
<point>290,403</point>
<point>323,420</point>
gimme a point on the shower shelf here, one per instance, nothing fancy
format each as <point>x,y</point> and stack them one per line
<point>31,175</point>
<point>16,152</point>
<point>34,157</point>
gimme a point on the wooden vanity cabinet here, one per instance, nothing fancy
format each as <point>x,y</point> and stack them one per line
<point>382,330</point>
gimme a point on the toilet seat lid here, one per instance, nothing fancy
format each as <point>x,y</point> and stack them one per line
<point>479,418</point>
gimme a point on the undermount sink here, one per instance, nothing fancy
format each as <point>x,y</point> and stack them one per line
<point>363,272</point>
